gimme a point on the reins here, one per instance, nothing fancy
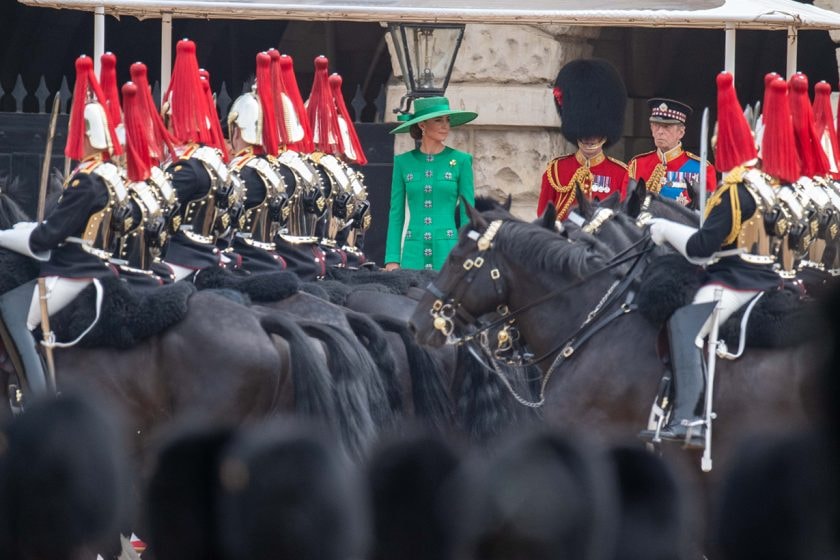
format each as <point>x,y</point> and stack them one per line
<point>446,309</point>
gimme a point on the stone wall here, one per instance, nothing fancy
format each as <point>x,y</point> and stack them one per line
<point>504,73</point>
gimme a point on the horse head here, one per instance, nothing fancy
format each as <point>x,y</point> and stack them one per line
<point>10,211</point>
<point>469,285</point>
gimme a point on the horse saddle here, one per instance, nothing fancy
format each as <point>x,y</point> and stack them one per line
<point>129,315</point>
<point>781,318</point>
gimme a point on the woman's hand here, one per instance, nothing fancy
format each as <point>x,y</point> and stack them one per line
<point>391,266</point>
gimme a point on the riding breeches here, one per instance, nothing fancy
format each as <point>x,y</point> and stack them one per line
<point>60,292</point>
<point>730,302</point>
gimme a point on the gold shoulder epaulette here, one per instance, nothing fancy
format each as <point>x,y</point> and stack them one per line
<point>558,158</point>
<point>643,154</point>
<point>189,151</point>
<point>735,176</point>
<point>693,156</point>
<point>618,161</point>
<point>89,166</point>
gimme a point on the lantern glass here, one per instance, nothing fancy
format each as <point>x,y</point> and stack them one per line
<point>426,55</point>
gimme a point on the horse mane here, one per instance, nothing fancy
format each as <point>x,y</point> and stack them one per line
<point>676,207</point>
<point>533,245</point>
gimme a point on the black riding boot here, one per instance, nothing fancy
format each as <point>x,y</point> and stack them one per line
<point>688,374</point>
<point>14,307</point>
<point>687,378</point>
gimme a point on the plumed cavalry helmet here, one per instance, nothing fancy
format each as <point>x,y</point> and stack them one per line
<point>735,143</point>
<point>814,161</point>
<point>88,117</point>
<point>824,119</point>
<point>779,158</point>
<point>320,109</point>
<point>590,98</point>
<point>246,115</point>
<point>289,106</point>
<point>349,139</point>
<point>253,112</point>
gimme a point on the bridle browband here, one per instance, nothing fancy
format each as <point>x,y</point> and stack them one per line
<point>447,308</point>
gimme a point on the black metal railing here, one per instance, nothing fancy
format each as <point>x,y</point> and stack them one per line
<point>39,100</point>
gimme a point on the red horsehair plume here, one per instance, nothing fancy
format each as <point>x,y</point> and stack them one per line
<point>108,81</point>
<point>138,161</point>
<point>811,154</point>
<point>735,143</point>
<point>86,86</point>
<point>320,108</point>
<point>269,125</point>
<point>287,73</point>
<point>277,89</point>
<point>159,139</point>
<point>213,115</point>
<point>778,147</point>
<point>824,121</point>
<point>189,119</point>
<point>357,152</point>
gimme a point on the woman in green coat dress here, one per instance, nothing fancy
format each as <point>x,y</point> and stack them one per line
<point>427,184</point>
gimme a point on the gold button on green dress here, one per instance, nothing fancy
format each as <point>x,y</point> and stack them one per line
<point>427,188</point>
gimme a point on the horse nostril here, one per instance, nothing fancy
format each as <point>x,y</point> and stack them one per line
<point>411,328</point>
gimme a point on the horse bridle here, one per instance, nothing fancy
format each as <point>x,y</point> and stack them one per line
<point>447,307</point>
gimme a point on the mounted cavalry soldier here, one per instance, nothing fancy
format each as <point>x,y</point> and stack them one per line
<point>590,98</point>
<point>356,218</point>
<point>669,169</point>
<point>729,239</point>
<point>76,239</point>
<point>253,134</point>
<point>298,244</point>
<point>208,196</point>
<point>323,121</point>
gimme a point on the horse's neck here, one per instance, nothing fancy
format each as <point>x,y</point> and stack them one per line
<point>547,324</point>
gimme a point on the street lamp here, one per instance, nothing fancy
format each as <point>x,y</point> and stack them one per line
<point>426,52</point>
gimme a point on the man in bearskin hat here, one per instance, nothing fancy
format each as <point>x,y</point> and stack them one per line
<point>669,169</point>
<point>253,131</point>
<point>75,240</point>
<point>741,267</point>
<point>590,97</point>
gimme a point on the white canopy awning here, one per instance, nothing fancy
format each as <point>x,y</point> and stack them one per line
<point>738,14</point>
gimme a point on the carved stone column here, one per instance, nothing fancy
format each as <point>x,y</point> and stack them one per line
<point>504,73</point>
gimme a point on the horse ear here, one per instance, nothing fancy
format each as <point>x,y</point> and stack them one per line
<point>584,206</point>
<point>693,194</point>
<point>477,222</point>
<point>508,203</point>
<point>637,192</point>
<point>549,216</point>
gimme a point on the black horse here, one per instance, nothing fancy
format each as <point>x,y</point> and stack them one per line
<point>553,286</point>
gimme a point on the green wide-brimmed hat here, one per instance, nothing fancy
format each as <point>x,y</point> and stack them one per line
<point>426,108</point>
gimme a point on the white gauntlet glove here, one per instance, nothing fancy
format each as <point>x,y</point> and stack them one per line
<point>17,240</point>
<point>676,235</point>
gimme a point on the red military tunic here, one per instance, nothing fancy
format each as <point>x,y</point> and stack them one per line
<point>603,177</point>
<point>670,180</point>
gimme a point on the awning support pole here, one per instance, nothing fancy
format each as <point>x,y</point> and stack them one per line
<point>792,44</point>
<point>98,37</point>
<point>165,52</point>
<point>729,50</point>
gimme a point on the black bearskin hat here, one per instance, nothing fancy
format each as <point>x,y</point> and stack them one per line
<point>62,480</point>
<point>182,494</point>
<point>411,493</point>
<point>542,497</point>
<point>590,98</point>
<point>287,493</point>
<point>654,521</point>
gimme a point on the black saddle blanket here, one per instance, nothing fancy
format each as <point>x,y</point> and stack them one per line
<point>780,319</point>
<point>260,288</point>
<point>129,315</point>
